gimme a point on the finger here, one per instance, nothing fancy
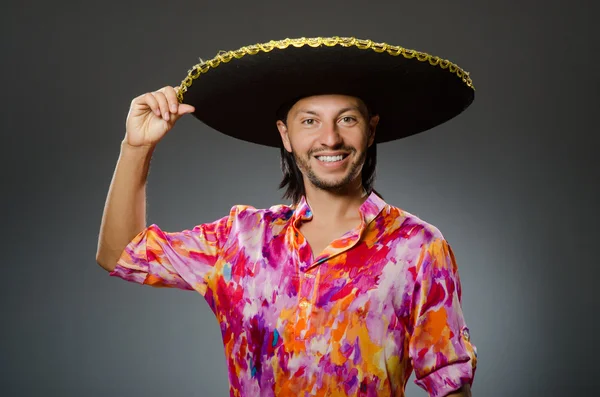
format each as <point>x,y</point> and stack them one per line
<point>149,100</point>
<point>162,103</point>
<point>171,96</point>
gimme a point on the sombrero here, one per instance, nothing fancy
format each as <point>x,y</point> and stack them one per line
<point>239,92</point>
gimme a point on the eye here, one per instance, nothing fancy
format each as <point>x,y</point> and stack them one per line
<point>348,119</point>
<point>308,122</point>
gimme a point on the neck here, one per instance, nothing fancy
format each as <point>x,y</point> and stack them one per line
<point>334,206</point>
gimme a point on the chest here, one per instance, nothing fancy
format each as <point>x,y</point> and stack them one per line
<point>320,236</point>
<point>269,300</point>
<point>319,312</point>
<point>270,275</point>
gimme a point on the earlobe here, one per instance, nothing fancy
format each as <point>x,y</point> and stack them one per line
<point>372,128</point>
<point>283,132</point>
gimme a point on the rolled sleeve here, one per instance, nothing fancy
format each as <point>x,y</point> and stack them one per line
<point>443,356</point>
<point>448,379</point>
<point>183,260</point>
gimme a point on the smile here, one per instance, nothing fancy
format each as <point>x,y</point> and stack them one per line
<point>330,159</point>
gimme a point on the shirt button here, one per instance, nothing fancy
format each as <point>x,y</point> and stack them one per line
<point>465,334</point>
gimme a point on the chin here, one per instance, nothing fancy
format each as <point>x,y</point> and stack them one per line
<point>331,184</point>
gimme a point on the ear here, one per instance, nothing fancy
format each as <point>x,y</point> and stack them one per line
<point>283,131</point>
<point>372,127</point>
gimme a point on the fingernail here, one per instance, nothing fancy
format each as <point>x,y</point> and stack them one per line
<point>166,116</point>
<point>173,108</point>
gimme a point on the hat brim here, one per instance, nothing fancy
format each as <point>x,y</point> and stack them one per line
<point>239,92</point>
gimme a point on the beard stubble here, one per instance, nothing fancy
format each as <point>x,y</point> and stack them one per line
<point>333,186</point>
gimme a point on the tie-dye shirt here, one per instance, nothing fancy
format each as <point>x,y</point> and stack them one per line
<point>379,302</point>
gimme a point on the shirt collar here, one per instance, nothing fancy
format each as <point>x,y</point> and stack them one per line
<point>369,209</point>
<point>372,206</point>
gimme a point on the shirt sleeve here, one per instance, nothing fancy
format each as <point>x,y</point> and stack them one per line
<point>184,260</point>
<point>444,358</point>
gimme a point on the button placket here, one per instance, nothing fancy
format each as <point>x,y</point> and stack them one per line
<point>306,300</point>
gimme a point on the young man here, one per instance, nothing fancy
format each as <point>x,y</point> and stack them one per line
<point>338,294</point>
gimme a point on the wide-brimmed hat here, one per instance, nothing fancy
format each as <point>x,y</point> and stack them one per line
<point>240,92</point>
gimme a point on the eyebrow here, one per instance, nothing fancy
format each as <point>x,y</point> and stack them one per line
<point>344,110</point>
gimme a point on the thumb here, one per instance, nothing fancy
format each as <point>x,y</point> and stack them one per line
<point>184,108</point>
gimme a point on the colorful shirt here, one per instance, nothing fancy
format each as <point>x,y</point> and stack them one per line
<point>379,302</point>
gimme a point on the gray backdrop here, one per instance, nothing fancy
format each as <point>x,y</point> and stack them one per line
<point>512,184</point>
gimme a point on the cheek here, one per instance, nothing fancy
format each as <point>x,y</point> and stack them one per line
<point>298,145</point>
<point>362,141</point>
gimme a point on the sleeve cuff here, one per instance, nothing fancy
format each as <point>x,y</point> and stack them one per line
<point>447,379</point>
<point>127,274</point>
<point>133,265</point>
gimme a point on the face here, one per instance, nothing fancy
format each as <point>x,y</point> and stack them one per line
<point>328,136</point>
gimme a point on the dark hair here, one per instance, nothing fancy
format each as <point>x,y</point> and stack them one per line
<point>292,176</point>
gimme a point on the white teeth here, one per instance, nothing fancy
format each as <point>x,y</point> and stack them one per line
<point>330,158</point>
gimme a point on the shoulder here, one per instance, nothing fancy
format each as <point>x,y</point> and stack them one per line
<point>248,214</point>
<point>411,225</point>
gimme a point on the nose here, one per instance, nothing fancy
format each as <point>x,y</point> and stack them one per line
<point>330,135</point>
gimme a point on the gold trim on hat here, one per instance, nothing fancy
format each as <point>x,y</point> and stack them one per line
<point>226,56</point>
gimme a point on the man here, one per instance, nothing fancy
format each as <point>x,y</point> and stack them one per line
<point>340,293</point>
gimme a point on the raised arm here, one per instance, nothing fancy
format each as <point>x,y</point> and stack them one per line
<point>150,117</point>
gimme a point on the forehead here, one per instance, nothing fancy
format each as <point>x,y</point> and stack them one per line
<point>327,102</point>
